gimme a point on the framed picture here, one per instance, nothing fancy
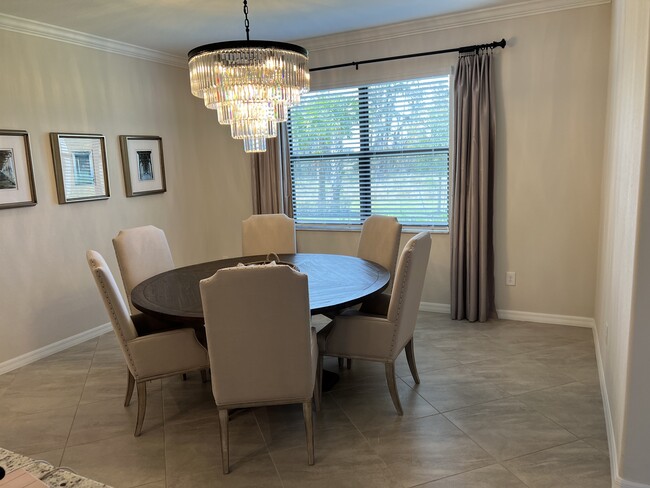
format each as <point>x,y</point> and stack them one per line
<point>16,173</point>
<point>144,169</point>
<point>80,167</point>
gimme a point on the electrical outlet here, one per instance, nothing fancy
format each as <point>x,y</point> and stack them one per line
<point>511,278</point>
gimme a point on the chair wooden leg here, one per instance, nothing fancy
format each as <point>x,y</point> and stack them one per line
<point>184,376</point>
<point>223,433</point>
<point>318,384</point>
<point>410,358</point>
<point>130,383</point>
<point>142,407</point>
<point>340,363</point>
<point>204,375</point>
<point>392,386</point>
<point>349,363</point>
<point>309,427</point>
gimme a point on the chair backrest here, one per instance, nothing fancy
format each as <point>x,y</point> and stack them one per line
<point>114,303</point>
<point>407,288</point>
<point>262,234</point>
<point>379,242</point>
<point>257,322</point>
<point>141,252</point>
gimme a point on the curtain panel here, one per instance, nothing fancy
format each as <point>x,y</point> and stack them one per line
<point>472,181</point>
<point>271,176</point>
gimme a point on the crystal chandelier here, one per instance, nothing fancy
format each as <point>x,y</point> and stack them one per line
<point>251,84</point>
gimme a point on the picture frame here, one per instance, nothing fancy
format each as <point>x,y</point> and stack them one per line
<point>17,187</point>
<point>143,164</point>
<point>80,167</point>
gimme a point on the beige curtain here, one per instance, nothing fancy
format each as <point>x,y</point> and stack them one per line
<point>472,174</point>
<point>271,176</point>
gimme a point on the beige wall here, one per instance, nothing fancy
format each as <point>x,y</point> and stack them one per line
<point>551,86</point>
<point>622,313</point>
<point>550,82</point>
<point>46,291</point>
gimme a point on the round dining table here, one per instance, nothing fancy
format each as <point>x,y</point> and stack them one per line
<point>335,281</point>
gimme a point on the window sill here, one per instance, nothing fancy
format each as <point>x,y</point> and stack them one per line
<point>357,228</point>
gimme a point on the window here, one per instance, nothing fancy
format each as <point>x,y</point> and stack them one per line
<point>376,149</point>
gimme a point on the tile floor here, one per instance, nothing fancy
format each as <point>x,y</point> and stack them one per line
<point>504,404</point>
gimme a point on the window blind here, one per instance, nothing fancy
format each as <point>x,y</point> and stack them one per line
<point>375,149</point>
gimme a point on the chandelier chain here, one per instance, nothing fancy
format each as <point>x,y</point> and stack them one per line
<point>246,22</point>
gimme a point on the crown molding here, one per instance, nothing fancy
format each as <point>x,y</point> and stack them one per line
<point>443,22</point>
<point>392,31</point>
<point>47,31</point>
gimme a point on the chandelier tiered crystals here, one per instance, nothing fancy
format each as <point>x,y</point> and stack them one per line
<point>251,84</point>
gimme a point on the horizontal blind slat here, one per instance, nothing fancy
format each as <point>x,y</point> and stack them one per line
<point>381,148</point>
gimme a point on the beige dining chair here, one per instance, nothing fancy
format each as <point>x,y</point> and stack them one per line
<point>263,234</point>
<point>147,357</point>
<point>355,334</point>
<point>141,252</point>
<point>380,236</point>
<point>263,350</point>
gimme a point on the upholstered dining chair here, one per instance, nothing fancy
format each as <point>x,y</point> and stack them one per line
<point>379,242</point>
<point>263,350</point>
<point>262,234</point>
<point>358,335</point>
<point>141,252</point>
<point>147,357</point>
<point>380,236</point>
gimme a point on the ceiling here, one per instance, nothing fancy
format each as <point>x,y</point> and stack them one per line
<point>176,26</point>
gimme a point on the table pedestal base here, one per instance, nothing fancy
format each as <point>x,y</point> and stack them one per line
<point>330,378</point>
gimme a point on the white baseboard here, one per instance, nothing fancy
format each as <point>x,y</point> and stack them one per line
<point>547,318</point>
<point>50,349</point>
<point>617,481</point>
<point>542,318</point>
<point>435,307</point>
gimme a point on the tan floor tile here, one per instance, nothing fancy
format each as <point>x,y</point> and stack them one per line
<point>453,388</point>
<point>508,428</point>
<point>123,461</point>
<point>155,484</point>
<point>577,360</point>
<point>495,476</point>
<point>368,407</point>
<point>575,465</point>
<point>194,446</point>
<point>425,360</point>
<point>105,385</point>
<point>598,443</point>
<point>265,442</point>
<point>362,374</point>
<point>5,380</point>
<point>187,400</point>
<point>110,418</point>
<point>576,407</point>
<point>52,457</point>
<point>283,426</point>
<point>342,459</point>
<point>250,472</point>
<point>28,398</point>
<point>471,348</point>
<point>426,449</point>
<point>519,374</point>
<point>37,432</point>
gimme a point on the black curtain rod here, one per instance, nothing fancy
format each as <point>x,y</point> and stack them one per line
<point>464,49</point>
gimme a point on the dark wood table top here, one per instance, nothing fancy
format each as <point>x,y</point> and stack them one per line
<point>335,282</point>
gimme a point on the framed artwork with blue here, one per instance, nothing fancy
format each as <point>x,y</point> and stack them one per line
<point>144,168</point>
